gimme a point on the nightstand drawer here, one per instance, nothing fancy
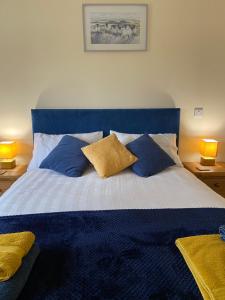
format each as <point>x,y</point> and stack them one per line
<point>217,184</point>
<point>4,185</point>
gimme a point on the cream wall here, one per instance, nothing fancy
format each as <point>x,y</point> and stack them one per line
<point>42,64</point>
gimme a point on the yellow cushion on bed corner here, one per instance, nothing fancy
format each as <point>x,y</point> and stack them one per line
<point>13,247</point>
<point>109,156</point>
<point>205,257</point>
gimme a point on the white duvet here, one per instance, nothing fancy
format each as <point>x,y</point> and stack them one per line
<point>41,191</point>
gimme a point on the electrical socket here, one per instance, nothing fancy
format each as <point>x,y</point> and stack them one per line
<point>198,112</point>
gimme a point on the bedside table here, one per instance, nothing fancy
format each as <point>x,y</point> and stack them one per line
<point>10,176</point>
<point>214,178</point>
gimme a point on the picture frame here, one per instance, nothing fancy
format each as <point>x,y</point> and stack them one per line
<point>115,27</point>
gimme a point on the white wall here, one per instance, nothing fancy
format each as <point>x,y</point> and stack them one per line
<point>42,64</point>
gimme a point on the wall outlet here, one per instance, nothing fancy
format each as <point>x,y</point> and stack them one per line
<point>198,112</point>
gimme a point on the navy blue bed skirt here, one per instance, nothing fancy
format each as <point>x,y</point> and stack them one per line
<point>121,254</point>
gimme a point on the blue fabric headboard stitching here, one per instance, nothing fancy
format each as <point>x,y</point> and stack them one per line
<point>149,120</point>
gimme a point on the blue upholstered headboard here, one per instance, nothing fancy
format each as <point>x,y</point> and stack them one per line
<point>56,121</point>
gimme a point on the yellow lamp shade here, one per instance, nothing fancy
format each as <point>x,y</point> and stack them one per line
<point>208,148</point>
<point>7,150</point>
<point>208,151</point>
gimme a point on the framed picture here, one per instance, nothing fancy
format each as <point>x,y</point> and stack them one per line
<point>115,27</point>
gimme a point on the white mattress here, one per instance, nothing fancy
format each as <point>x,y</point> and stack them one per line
<point>41,191</point>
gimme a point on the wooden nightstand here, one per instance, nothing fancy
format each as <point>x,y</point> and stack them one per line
<point>10,176</point>
<point>215,178</point>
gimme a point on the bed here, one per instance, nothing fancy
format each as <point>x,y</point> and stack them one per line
<point>110,238</point>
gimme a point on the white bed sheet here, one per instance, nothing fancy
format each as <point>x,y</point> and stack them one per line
<point>42,191</point>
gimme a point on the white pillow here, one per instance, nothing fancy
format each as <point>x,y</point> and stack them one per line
<point>167,141</point>
<point>45,143</point>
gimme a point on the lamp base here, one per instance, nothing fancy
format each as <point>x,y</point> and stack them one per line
<point>8,163</point>
<point>206,161</point>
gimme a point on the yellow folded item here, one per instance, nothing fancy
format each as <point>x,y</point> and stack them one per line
<point>205,257</point>
<point>10,261</point>
<point>13,247</point>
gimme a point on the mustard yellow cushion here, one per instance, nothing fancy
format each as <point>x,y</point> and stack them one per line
<point>109,156</point>
<point>13,247</point>
<point>205,257</point>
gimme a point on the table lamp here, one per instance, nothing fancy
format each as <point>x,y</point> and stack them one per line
<point>7,154</point>
<point>208,151</point>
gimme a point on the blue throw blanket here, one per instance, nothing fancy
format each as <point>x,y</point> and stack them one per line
<point>121,255</point>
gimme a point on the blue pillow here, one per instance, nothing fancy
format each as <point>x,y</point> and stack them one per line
<point>67,157</point>
<point>151,158</point>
